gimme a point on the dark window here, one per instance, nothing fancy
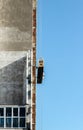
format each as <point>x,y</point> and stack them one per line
<point>15,122</point>
<point>14,117</point>
<point>22,112</point>
<point>22,122</point>
<point>15,112</point>
<point>1,122</point>
<point>8,111</point>
<point>1,112</point>
<point>8,122</point>
<point>28,126</point>
<point>29,94</point>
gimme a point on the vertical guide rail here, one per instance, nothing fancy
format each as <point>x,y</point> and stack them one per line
<point>33,69</point>
<point>27,79</point>
<point>28,90</point>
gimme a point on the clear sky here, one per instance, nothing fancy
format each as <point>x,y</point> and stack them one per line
<point>60,43</point>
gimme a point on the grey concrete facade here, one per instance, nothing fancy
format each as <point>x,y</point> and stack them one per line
<point>14,81</point>
<point>12,67</point>
<point>17,37</point>
<point>15,25</point>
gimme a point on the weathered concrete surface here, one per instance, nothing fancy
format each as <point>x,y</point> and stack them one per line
<point>15,25</point>
<point>12,66</point>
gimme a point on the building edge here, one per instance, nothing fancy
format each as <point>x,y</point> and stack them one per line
<point>33,68</point>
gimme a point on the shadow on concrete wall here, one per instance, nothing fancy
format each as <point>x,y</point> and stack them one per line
<point>12,83</point>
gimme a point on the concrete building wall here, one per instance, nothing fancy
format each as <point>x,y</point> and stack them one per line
<point>12,84</point>
<point>18,33</point>
<point>15,25</point>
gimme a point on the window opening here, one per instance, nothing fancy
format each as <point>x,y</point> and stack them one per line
<point>1,117</point>
<point>1,122</point>
<point>15,122</point>
<point>22,122</point>
<point>15,111</point>
<point>8,111</point>
<point>12,117</point>
<point>1,112</point>
<point>22,112</point>
<point>8,122</point>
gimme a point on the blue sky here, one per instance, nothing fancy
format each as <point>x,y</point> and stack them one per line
<point>60,43</point>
